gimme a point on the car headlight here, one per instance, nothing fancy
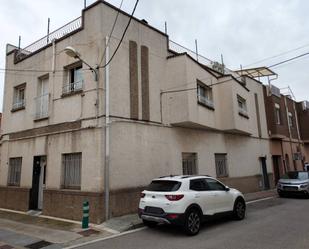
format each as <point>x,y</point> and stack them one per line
<point>304,186</point>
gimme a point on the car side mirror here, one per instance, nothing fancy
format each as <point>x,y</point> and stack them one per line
<point>227,189</point>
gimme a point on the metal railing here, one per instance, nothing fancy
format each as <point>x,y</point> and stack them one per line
<point>57,34</point>
<point>73,87</point>
<point>18,104</point>
<point>176,47</point>
<point>41,109</point>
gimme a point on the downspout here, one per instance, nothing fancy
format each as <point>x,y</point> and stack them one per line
<point>297,128</point>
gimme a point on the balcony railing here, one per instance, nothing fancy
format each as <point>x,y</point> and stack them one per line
<point>176,47</point>
<point>202,99</point>
<point>18,104</point>
<point>57,34</point>
<point>41,103</point>
<point>73,87</point>
<point>243,111</point>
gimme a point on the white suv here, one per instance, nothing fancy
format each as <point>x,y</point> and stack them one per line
<point>187,201</point>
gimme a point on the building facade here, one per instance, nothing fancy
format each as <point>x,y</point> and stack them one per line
<point>169,114</point>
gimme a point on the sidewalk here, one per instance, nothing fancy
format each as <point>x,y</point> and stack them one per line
<point>20,230</point>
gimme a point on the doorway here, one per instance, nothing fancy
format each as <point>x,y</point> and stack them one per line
<point>266,184</point>
<point>277,170</point>
<point>38,183</point>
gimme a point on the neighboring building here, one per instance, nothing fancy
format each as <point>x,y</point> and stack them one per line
<point>170,114</point>
<point>287,147</point>
<point>303,119</point>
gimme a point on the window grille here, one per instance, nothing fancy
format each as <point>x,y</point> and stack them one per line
<point>14,171</point>
<point>71,164</point>
<point>221,165</point>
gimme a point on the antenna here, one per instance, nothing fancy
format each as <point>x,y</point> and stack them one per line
<point>196,50</point>
<point>165,25</point>
<point>48,24</point>
<point>19,42</point>
<point>85,4</point>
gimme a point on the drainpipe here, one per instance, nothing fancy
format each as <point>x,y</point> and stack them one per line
<point>297,128</point>
<point>107,131</point>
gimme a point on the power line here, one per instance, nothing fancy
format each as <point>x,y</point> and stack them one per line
<point>122,37</point>
<point>111,33</point>
<point>291,59</point>
<point>278,55</point>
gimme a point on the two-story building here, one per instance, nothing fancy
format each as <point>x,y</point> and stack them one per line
<point>169,114</point>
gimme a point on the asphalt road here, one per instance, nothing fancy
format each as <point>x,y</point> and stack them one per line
<point>274,223</point>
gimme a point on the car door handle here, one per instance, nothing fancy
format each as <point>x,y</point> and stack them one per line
<point>197,196</point>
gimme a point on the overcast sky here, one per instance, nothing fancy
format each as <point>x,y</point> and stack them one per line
<point>243,31</point>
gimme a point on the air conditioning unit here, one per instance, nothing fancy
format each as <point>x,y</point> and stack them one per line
<point>275,91</point>
<point>305,105</point>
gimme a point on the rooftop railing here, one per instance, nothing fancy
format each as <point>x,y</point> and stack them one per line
<point>220,68</point>
<point>55,35</point>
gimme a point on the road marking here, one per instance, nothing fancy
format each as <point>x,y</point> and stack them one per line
<point>263,199</point>
<point>106,238</point>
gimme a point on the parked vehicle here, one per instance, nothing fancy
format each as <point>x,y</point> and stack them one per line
<point>306,166</point>
<point>187,201</point>
<point>294,182</point>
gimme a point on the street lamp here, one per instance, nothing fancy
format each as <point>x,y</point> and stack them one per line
<point>70,51</point>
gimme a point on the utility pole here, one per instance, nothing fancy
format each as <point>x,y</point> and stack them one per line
<point>107,130</point>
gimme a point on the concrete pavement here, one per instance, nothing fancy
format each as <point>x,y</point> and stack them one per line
<point>274,223</point>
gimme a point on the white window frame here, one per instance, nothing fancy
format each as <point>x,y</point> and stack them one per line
<point>74,79</point>
<point>19,99</point>
<point>204,94</point>
<point>277,114</point>
<point>242,105</point>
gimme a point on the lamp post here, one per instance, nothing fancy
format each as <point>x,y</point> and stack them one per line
<point>70,51</point>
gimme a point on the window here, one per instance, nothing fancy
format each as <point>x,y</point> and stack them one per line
<point>42,99</point>
<point>215,185</point>
<point>242,106</point>
<point>221,165</point>
<point>19,97</point>
<point>14,171</point>
<point>204,95</point>
<point>198,185</point>
<point>71,170</point>
<point>290,118</point>
<point>277,114</point>
<point>164,186</point>
<point>189,163</point>
<point>74,79</point>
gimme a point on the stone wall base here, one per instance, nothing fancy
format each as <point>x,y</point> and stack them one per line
<point>14,198</point>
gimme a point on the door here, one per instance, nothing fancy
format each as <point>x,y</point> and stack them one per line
<point>276,165</point>
<point>38,178</point>
<point>265,174</point>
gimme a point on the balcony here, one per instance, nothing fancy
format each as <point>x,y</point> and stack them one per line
<point>41,104</point>
<point>65,30</point>
<point>72,88</point>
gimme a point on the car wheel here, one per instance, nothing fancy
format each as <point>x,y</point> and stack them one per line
<point>193,222</point>
<point>150,224</point>
<point>239,209</point>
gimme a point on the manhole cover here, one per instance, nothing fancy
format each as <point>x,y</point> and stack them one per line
<point>39,244</point>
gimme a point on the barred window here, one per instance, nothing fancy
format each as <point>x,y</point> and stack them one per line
<point>14,171</point>
<point>221,165</point>
<point>189,163</point>
<point>71,170</point>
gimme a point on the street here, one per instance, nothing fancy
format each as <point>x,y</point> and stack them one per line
<point>273,223</point>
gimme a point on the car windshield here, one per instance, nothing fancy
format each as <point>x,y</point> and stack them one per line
<point>164,186</point>
<point>296,175</point>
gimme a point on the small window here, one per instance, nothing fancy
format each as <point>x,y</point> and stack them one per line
<point>19,97</point>
<point>204,95</point>
<point>14,171</point>
<point>221,165</point>
<point>198,185</point>
<point>277,114</point>
<point>75,79</point>
<point>164,186</point>
<point>71,170</point>
<point>189,163</point>
<point>290,116</point>
<point>242,106</point>
<point>215,185</point>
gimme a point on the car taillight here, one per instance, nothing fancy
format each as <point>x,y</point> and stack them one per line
<point>142,195</point>
<point>174,197</point>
